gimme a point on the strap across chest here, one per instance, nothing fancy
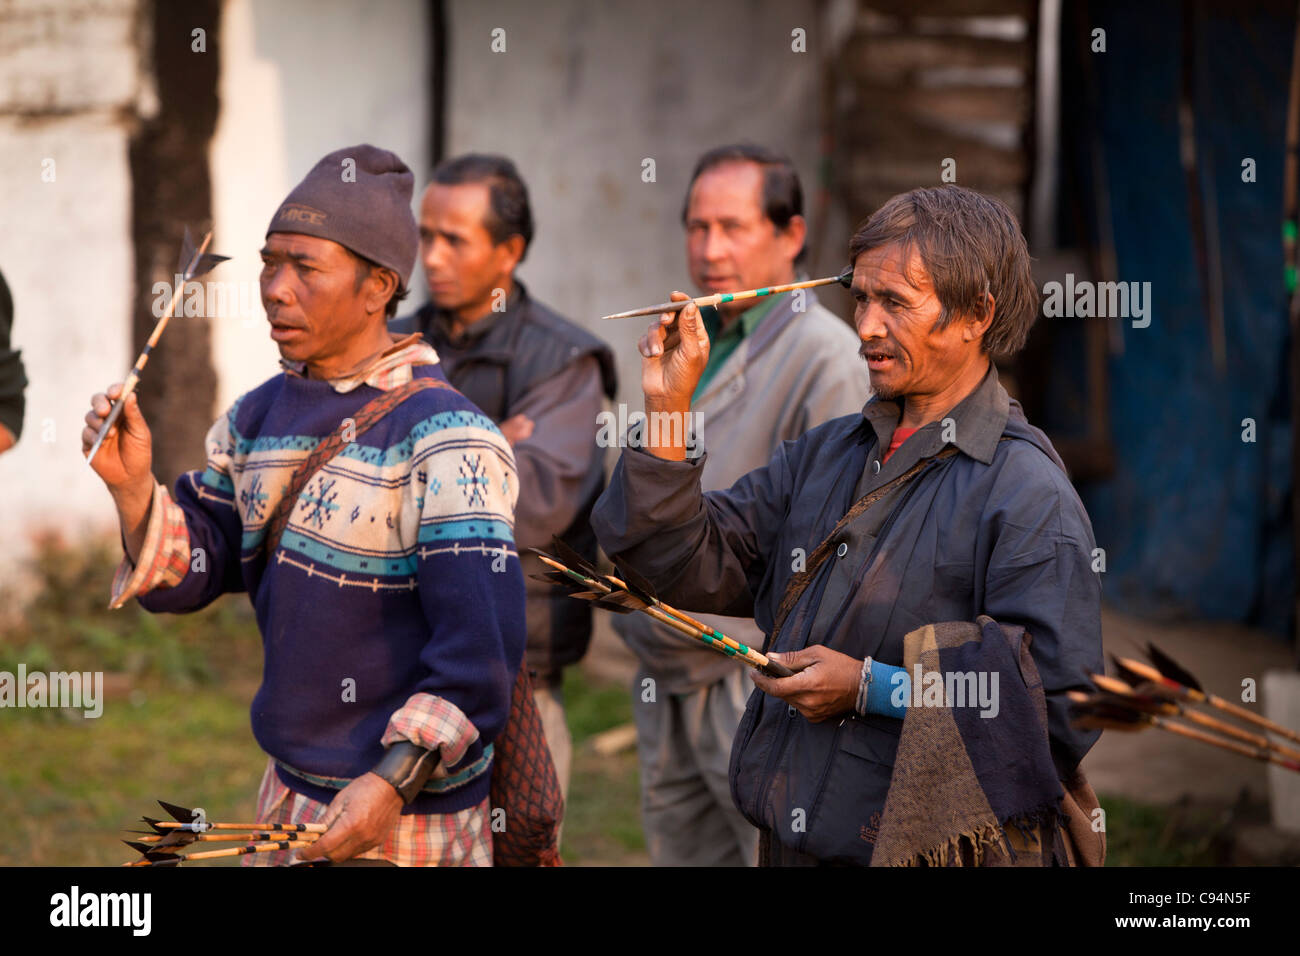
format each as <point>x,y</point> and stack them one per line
<point>370,414</point>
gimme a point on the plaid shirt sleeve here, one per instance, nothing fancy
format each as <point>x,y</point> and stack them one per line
<point>165,556</point>
<point>434,723</point>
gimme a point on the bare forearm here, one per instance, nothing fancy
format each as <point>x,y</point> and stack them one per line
<point>133,507</point>
<point>667,443</point>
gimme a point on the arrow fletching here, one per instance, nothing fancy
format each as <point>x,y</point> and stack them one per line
<point>620,602</point>
<point>178,813</point>
<point>566,555</point>
<point>637,584</point>
<point>189,267</point>
<point>1169,668</point>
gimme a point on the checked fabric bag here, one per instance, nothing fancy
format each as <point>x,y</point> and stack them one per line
<point>524,782</point>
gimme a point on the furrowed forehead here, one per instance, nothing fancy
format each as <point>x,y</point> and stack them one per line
<point>896,267</point>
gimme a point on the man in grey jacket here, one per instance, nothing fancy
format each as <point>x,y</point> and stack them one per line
<point>775,369</point>
<point>964,509</point>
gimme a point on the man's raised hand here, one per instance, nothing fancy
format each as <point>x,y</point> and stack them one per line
<point>125,459</point>
<point>674,352</point>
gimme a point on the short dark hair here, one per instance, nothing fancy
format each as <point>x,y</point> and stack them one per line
<point>364,267</point>
<point>782,196</point>
<point>972,246</point>
<point>508,211</point>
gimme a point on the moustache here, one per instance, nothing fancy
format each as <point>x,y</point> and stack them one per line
<point>872,348</point>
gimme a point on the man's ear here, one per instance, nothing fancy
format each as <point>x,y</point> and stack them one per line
<point>510,252</point>
<point>382,284</point>
<point>794,234</point>
<point>975,328</point>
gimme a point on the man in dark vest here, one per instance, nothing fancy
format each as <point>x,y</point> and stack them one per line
<point>541,378</point>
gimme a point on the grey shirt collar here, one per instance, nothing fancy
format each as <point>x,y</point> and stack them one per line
<point>978,421</point>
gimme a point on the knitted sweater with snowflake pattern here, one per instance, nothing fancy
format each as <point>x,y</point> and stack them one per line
<point>396,589</point>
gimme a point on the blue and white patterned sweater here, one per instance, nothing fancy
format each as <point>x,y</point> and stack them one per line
<point>395,598</point>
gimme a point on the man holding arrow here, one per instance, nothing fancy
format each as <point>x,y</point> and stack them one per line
<point>776,367</point>
<point>937,503</point>
<point>367,509</point>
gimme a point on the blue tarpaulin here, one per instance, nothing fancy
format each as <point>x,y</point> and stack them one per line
<point>1196,520</point>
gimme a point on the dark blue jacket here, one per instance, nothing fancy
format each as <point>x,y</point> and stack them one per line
<point>996,529</point>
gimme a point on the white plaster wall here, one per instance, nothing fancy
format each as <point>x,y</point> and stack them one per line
<point>69,81</point>
<point>299,79</point>
<point>586,90</point>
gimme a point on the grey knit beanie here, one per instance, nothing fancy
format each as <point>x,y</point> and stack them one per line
<point>359,197</point>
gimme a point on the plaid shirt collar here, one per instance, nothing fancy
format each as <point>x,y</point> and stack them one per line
<point>385,371</point>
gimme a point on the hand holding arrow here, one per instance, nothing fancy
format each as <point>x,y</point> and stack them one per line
<point>196,262</point>
<point>721,298</point>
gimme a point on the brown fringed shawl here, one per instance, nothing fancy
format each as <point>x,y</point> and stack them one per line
<point>969,790</point>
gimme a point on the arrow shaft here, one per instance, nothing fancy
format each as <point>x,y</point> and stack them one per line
<point>1200,697</point>
<point>1258,754</point>
<point>1174,708</point>
<point>224,837</point>
<point>133,377</point>
<point>668,608</point>
<point>1246,715</point>
<point>233,851</point>
<point>698,631</point>
<point>1117,714</point>
<point>258,827</point>
<point>721,298</point>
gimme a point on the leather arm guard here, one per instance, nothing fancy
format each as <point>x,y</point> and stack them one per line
<point>407,767</point>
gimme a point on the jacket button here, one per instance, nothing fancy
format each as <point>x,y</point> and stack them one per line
<point>843,549</point>
<point>790,711</point>
<point>875,467</point>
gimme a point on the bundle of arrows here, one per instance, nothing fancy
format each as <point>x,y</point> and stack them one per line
<point>162,845</point>
<point>632,593</point>
<point>1161,695</point>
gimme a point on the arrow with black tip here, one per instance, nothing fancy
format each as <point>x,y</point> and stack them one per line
<point>154,857</point>
<point>194,262</point>
<point>1146,698</point>
<point>184,819</point>
<point>606,591</point>
<point>1180,683</point>
<point>183,838</point>
<point>1103,711</point>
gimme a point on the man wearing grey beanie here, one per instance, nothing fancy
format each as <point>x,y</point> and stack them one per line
<point>367,508</point>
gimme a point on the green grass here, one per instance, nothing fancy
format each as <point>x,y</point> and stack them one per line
<point>72,787</point>
<point>602,819</point>
<point>1139,834</point>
